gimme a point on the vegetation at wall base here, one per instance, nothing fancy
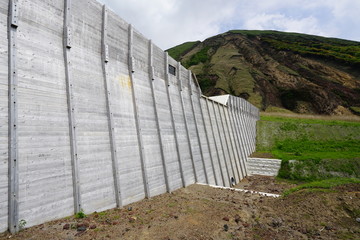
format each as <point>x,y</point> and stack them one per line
<point>80,214</point>
<point>311,149</point>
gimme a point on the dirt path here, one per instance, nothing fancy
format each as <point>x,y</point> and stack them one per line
<point>202,212</point>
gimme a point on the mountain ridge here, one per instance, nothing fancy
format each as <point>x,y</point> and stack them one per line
<point>277,70</point>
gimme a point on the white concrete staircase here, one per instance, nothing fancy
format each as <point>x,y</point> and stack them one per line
<point>263,166</point>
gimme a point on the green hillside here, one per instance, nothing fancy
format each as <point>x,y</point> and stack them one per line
<point>277,70</point>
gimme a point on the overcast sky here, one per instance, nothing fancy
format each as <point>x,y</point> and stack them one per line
<point>172,22</point>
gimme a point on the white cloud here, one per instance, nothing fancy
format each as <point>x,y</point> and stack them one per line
<point>172,22</point>
<point>281,22</point>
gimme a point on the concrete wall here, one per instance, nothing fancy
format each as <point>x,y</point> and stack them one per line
<point>263,166</point>
<point>91,118</point>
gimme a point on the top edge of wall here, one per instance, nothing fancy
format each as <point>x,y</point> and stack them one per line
<point>222,99</point>
<point>133,27</point>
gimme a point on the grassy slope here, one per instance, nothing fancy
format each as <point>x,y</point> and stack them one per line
<point>323,148</point>
<point>212,60</point>
<point>341,50</point>
<point>178,50</point>
<point>332,48</point>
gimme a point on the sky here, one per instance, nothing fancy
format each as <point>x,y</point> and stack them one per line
<point>172,22</point>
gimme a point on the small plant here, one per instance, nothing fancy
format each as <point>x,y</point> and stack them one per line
<point>80,214</point>
<point>22,224</point>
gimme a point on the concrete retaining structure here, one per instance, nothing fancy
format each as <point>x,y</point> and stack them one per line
<point>94,116</point>
<point>263,166</point>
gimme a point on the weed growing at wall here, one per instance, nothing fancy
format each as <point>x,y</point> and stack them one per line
<point>22,224</point>
<point>80,214</point>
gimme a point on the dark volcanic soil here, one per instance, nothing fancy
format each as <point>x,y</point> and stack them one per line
<point>201,212</point>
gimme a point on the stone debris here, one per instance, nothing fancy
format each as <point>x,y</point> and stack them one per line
<point>66,226</point>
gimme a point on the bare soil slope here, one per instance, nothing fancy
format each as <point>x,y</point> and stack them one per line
<point>201,212</point>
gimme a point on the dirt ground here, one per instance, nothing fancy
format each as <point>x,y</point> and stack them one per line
<point>202,212</point>
<point>264,184</point>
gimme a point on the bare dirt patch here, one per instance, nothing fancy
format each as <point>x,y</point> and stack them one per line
<point>264,184</point>
<point>202,212</point>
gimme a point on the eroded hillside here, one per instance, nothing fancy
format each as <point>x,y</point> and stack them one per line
<point>300,73</point>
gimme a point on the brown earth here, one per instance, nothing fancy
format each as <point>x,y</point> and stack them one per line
<point>264,184</point>
<point>202,212</point>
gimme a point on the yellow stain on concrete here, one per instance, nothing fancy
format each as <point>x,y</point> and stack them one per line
<point>124,81</point>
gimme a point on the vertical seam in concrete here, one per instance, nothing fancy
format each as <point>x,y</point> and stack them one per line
<point>13,171</point>
<point>137,117</point>
<point>238,139</point>
<point>231,140</point>
<point>161,142</point>
<point>226,141</point>
<point>216,148</point>
<point>207,140</point>
<point>186,124</point>
<point>114,159</point>
<point>71,107</point>
<point>167,85</point>
<point>196,125</point>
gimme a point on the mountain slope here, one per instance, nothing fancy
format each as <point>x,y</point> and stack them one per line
<point>274,70</point>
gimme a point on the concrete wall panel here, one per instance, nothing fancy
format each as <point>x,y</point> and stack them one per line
<point>95,166</point>
<point>149,133</point>
<point>202,134</point>
<point>233,150</point>
<point>212,140</point>
<point>127,149</point>
<point>167,132</point>
<point>146,113</point>
<point>219,142</point>
<point>45,185</point>
<point>184,76</point>
<point>3,117</point>
<point>181,131</point>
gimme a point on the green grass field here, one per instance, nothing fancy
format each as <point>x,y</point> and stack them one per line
<point>311,148</point>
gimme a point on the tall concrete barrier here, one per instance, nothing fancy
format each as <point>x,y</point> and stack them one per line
<point>93,116</point>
